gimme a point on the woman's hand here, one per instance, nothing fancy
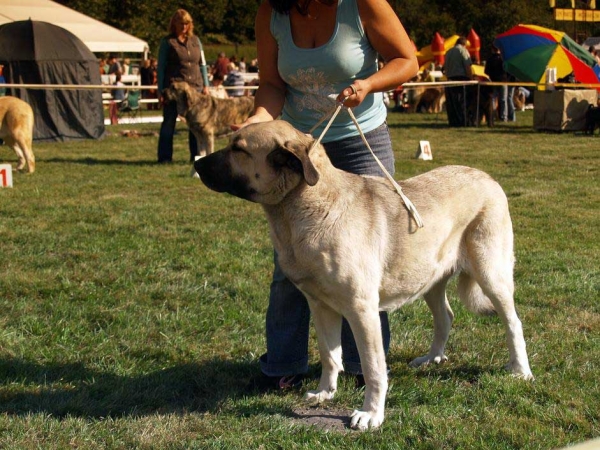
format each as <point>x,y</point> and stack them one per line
<point>354,94</point>
<point>256,118</point>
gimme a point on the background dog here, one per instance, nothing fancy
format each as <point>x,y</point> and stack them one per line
<point>421,99</point>
<point>207,116</point>
<point>431,101</point>
<point>348,243</point>
<point>16,129</point>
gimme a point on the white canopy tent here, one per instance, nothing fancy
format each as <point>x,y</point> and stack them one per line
<point>96,35</point>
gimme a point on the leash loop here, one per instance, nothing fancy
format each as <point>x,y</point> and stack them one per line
<point>409,205</point>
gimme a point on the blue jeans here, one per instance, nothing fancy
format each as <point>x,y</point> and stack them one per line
<point>288,314</point>
<point>167,130</point>
<point>507,104</point>
<point>510,104</point>
<point>500,92</point>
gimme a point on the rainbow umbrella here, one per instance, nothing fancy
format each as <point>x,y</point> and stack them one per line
<point>528,50</point>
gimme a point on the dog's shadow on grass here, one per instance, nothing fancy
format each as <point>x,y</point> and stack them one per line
<point>73,390</point>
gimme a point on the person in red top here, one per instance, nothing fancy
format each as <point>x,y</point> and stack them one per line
<point>220,69</point>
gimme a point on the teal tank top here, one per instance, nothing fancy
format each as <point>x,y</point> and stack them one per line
<point>315,76</point>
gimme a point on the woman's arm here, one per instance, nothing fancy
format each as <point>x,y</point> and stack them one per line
<point>270,96</point>
<point>163,50</point>
<point>388,37</point>
<point>203,69</point>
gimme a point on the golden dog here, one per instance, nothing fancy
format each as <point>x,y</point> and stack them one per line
<point>207,116</point>
<point>350,245</point>
<point>16,129</point>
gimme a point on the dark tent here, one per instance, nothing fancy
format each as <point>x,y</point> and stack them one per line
<point>34,52</point>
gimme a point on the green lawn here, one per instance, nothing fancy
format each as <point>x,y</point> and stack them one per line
<point>133,300</point>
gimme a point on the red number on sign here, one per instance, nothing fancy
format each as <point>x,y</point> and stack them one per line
<point>4,177</point>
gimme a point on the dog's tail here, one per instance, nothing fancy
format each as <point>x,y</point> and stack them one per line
<point>473,297</point>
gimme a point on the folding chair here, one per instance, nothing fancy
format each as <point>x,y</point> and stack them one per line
<point>130,106</point>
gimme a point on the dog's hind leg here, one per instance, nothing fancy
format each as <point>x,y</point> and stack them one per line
<point>12,143</point>
<point>328,324</point>
<point>500,292</point>
<point>492,261</point>
<point>25,153</point>
<point>442,323</point>
<point>366,327</point>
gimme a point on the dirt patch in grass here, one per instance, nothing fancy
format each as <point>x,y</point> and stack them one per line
<point>325,419</point>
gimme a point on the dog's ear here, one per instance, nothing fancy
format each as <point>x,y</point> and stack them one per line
<point>294,154</point>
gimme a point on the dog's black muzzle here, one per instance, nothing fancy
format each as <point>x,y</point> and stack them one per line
<point>211,170</point>
<point>215,172</point>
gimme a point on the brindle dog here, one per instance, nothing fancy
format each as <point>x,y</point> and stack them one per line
<point>207,116</point>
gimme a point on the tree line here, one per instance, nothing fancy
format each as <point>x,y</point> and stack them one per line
<point>232,21</point>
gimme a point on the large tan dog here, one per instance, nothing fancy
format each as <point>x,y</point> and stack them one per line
<point>16,129</point>
<point>207,116</point>
<point>351,247</point>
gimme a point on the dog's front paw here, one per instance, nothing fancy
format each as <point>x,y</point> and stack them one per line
<point>316,397</point>
<point>427,359</point>
<point>362,420</point>
<point>520,371</point>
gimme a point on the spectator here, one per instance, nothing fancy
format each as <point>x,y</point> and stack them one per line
<point>146,77</point>
<point>118,95</point>
<point>154,76</point>
<point>510,101</point>
<point>253,67</point>
<point>242,64</point>
<point>494,69</point>
<point>180,58</point>
<point>220,69</point>
<point>126,67</point>
<point>114,65</point>
<point>458,67</point>
<point>234,78</point>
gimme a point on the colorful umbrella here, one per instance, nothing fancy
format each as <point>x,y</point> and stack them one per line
<point>528,50</point>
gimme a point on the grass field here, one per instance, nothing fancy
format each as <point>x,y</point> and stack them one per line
<point>133,300</point>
